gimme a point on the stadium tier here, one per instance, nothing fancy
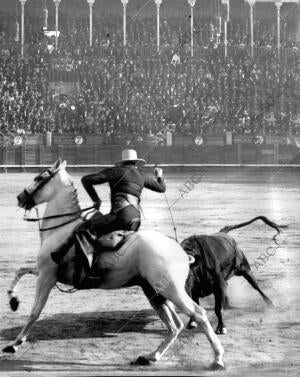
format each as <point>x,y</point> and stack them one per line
<point>117,79</point>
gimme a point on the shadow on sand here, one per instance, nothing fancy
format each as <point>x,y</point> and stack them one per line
<point>86,325</point>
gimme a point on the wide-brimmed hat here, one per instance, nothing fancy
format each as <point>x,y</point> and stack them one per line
<point>130,155</point>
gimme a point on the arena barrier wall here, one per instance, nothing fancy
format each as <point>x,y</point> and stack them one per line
<point>80,156</point>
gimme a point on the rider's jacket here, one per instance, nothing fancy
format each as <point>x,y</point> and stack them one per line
<point>126,184</point>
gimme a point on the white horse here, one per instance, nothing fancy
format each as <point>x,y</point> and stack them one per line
<point>149,259</point>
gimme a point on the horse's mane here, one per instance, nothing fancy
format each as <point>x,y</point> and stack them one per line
<point>69,189</point>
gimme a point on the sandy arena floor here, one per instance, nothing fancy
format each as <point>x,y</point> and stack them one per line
<point>100,332</point>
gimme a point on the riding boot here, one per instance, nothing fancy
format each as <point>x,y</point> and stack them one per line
<point>60,253</point>
<point>86,277</point>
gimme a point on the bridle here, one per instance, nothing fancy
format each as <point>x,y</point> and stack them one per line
<point>30,195</point>
<point>56,217</point>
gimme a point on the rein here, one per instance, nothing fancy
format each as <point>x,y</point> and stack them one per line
<point>56,217</point>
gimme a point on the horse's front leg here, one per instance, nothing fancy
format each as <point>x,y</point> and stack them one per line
<point>13,299</point>
<point>45,282</point>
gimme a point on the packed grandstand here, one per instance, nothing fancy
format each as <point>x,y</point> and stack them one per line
<point>112,89</point>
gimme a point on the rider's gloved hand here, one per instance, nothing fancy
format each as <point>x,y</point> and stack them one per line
<point>97,204</point>
<point>158,172</point>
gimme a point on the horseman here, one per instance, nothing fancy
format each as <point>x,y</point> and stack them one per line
<point>126,180</point>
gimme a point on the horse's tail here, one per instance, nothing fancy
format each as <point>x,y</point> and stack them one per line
<point>228,228</point>
<point>13,299</point>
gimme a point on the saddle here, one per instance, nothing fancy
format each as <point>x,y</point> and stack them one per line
<point>91,245</point>
<point>87,250</point>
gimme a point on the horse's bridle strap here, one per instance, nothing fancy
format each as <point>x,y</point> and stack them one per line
<point>51,175</point>
<point>30,195</point>
<point>58,226</point>
<point>58,216</point>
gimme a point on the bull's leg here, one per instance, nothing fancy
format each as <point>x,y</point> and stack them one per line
<point>248,275</point>
<point>227,304</point>
<point>45,282</point>
<point>173,323</point>
<point>245,271</point>
<point>220,299</point>
<point>13,299</point>
<point>192,324</point>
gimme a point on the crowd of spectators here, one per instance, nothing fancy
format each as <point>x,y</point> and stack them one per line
<point>140,91</point>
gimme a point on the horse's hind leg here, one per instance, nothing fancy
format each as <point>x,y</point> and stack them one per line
<point>45,283</point>
<point>169,317</point>
<point>245,271</point>
<point>175,317</point>
<point>13,299</point>
<point>181,299</point>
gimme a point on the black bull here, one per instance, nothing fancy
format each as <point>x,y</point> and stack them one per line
<point>217,259</point>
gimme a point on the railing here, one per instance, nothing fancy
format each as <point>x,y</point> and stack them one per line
<point>247,153</point>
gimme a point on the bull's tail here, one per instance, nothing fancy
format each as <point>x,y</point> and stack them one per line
<point>273,225</point>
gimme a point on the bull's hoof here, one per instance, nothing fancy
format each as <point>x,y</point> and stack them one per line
<point>216,366</point>
<point>9,349</point>
<point>141,360</point>
<point>221,330</point>
<point>14,303</point>
<point>269,303</point>
<point>192,325</point>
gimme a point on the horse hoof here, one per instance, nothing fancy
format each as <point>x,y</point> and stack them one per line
<point>141,360</point>
<point>9,349</point>
<point>221,330</point>
<point>192,325</point>
<point>14,303</point>
<point>216,366</point>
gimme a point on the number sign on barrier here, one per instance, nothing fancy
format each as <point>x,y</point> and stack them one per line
<point>199,140</point>
<point>258,140</point>
<point>18,140</point>
<point>78,140</point>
